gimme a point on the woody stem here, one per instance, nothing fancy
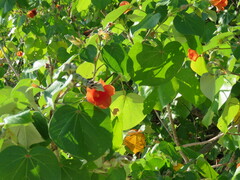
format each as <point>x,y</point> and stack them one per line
<point>175,137</point>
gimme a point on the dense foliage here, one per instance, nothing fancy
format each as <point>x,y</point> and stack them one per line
<point>104,89</point>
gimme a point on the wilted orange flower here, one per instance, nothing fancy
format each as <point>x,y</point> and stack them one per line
<point>135,141</point>
<point>219,4</point>
<point>34,85</point>
<point>101,99</point>
<point>178,166</point>
<point>32,13</point>
<point>125,3</point>
<point>19,53</point>
<point>192,54</point>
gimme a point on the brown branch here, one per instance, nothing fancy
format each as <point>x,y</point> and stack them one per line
<point>175,137</point>
<point>204,142</point>
<point>9,62</point>
<point>159,118</point>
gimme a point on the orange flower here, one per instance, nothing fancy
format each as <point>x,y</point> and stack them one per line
<point>192,54</point>
<point>101,99</point>
<point>19,53</point>
<point>219,4</point>
<point>125,3</point>
<point>32,13</point>
<point>135,141</point>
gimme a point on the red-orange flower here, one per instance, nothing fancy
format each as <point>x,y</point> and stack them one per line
<point>192,54</point>
<point>32,13</point>
<point>101,99</point>
<point>219,4</point>
<point>125,3</point>
<point>19,53</point>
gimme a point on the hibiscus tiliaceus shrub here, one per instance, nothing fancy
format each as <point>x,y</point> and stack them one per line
<point>119,89</point>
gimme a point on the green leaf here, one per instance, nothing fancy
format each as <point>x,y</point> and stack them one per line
<point>207,85</point>
<point>6,6</point>
<point>117,133</point>
<point>115,14</point>
<point>115,57</point>
<point>81,5</point>
<point>163,95</point>
<point>207,119</point>
<point>40,122</point>
<point>37,65</point>
<point>168,149</point>
<point>199,66</point>
<point>116,174</point>
<point>221,41</point>
<point>156,65</point>
<point>25,135</point>
<point>236,52</point>
<point>21,118</point>
<point>236,175</point>
<point>189,24</point>
<point>189,87</point>
<point>230,111</point>
<point>24,94</point>
<point>130,109</point>
<point>16,163</point>
<point>101,4</point>
<point>84,132</point>
<point>229,141</point>
<point>72,169</point>
<point>56,87</point>
<point>7,103</point>
<point>149,22</point>
<point>205,169</point>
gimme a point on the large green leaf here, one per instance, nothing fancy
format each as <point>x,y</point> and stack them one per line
<point>112,16</point>
<point>84,132</point>
<point>230,111</point>
<point>217,88</point>
<point>56,87</point>
<point>101,4</point>
<point>25,135</point>
<point>156,65</point>
<point>16,163</point>
<point>189,24</point>
<point>207,85</point>
<point>221,41</point>
<point>162,94</point>
<point>72,169</point>
<point>24,94</point>
<point>150,21</point>
<point>169,150</point>
<point>20,118</point>
<point>6,6</point>
<point>205,169</point>
<point>199,66</point>
<point>189,87</point>
<point>115,57</point>
<point>7,103</point>
<point>81,5</point>
<point>129,109</point>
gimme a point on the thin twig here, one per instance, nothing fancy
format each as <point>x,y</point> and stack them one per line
<point>159,118</point>
<point>175,137</point>
<point>207,141</point>
<point>204,142</point>
<point>9,62</point>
